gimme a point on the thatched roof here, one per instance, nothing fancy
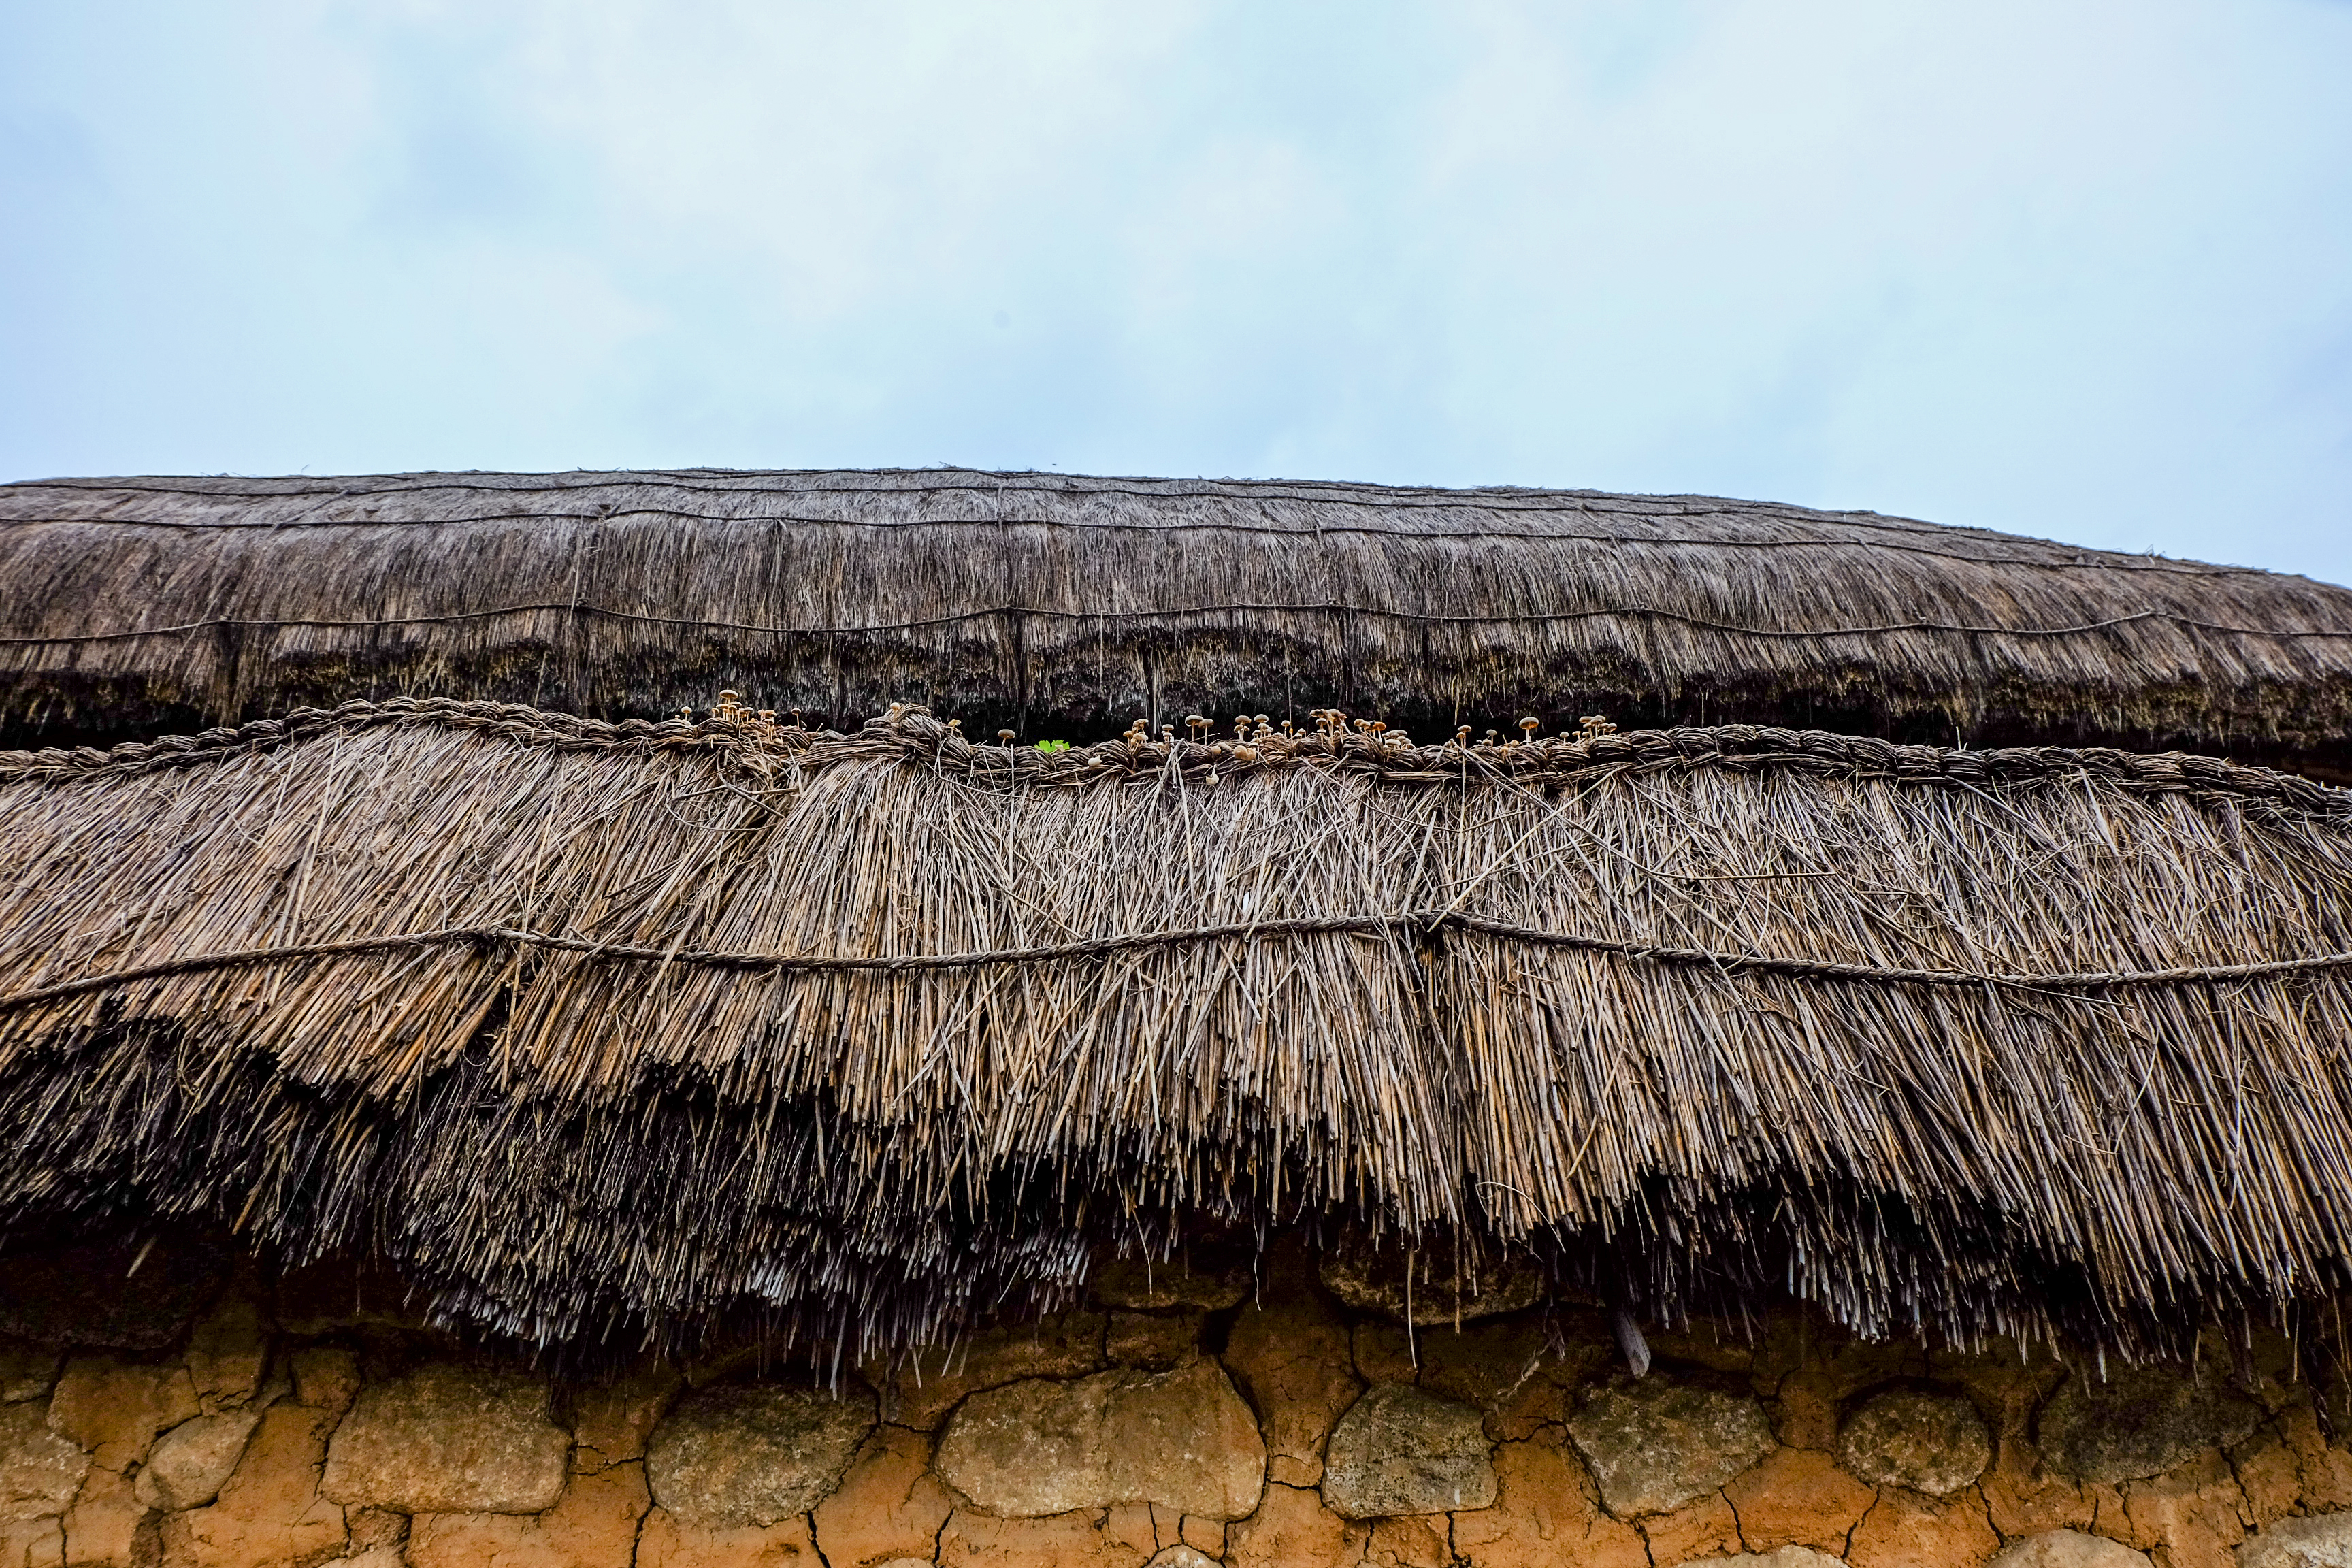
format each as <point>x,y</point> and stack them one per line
<point>599,1030</point>
<point>1065,606</point>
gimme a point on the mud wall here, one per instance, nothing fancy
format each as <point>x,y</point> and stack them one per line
<point>1178,1420</point>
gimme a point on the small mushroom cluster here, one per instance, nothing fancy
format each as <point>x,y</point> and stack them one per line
<point>734,711</point>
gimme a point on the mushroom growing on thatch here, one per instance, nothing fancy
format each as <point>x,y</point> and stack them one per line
<point>615,1031</point>
<point>1062,606</point>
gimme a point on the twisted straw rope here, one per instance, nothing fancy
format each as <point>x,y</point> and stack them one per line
<point>1420,922</point>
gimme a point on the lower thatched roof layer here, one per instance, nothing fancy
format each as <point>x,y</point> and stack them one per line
<point>1061,607</point>
<point>615,1029</point>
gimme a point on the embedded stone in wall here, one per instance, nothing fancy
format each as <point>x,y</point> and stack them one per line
<point>2068,1548</point>
<point>733,1457</point>
<point>1399,1450</point>
<point>447,1439</point>
<point>1388,1279</point>
<point>2141,1421</point>
<point>39,1471</point>
<point>1786,1557</point>
<point>1177,1557</point>
<point>2323,1541</point>
<point>1653,1445</point>
<point>192,1460</point>
<point>1931,1443</point>
<point>1183,1439</point>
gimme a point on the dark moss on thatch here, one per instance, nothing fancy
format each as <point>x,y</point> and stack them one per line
<point>1064,606</point>
<point>599,1032</point>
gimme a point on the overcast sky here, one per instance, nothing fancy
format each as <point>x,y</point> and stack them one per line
<point>2069,269</point>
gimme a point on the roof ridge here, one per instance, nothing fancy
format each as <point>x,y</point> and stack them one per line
<point>2082,558</point>
<point>1345,492</point>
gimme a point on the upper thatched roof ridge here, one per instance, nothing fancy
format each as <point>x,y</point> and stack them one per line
<point>1066,604</point>
<point>1073,501</point>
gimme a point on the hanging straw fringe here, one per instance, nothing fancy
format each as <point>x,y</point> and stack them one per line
<point>876,1031</point>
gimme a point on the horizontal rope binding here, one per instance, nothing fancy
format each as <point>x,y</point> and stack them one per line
<point>1416,922</point>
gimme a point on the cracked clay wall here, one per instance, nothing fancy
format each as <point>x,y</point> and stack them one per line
<point>1176,1420</point>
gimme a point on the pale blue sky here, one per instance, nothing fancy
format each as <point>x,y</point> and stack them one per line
<point>2070,268</point>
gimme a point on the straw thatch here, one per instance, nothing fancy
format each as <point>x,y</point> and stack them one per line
<point>611,1031</point>
<point>1061,607</point>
